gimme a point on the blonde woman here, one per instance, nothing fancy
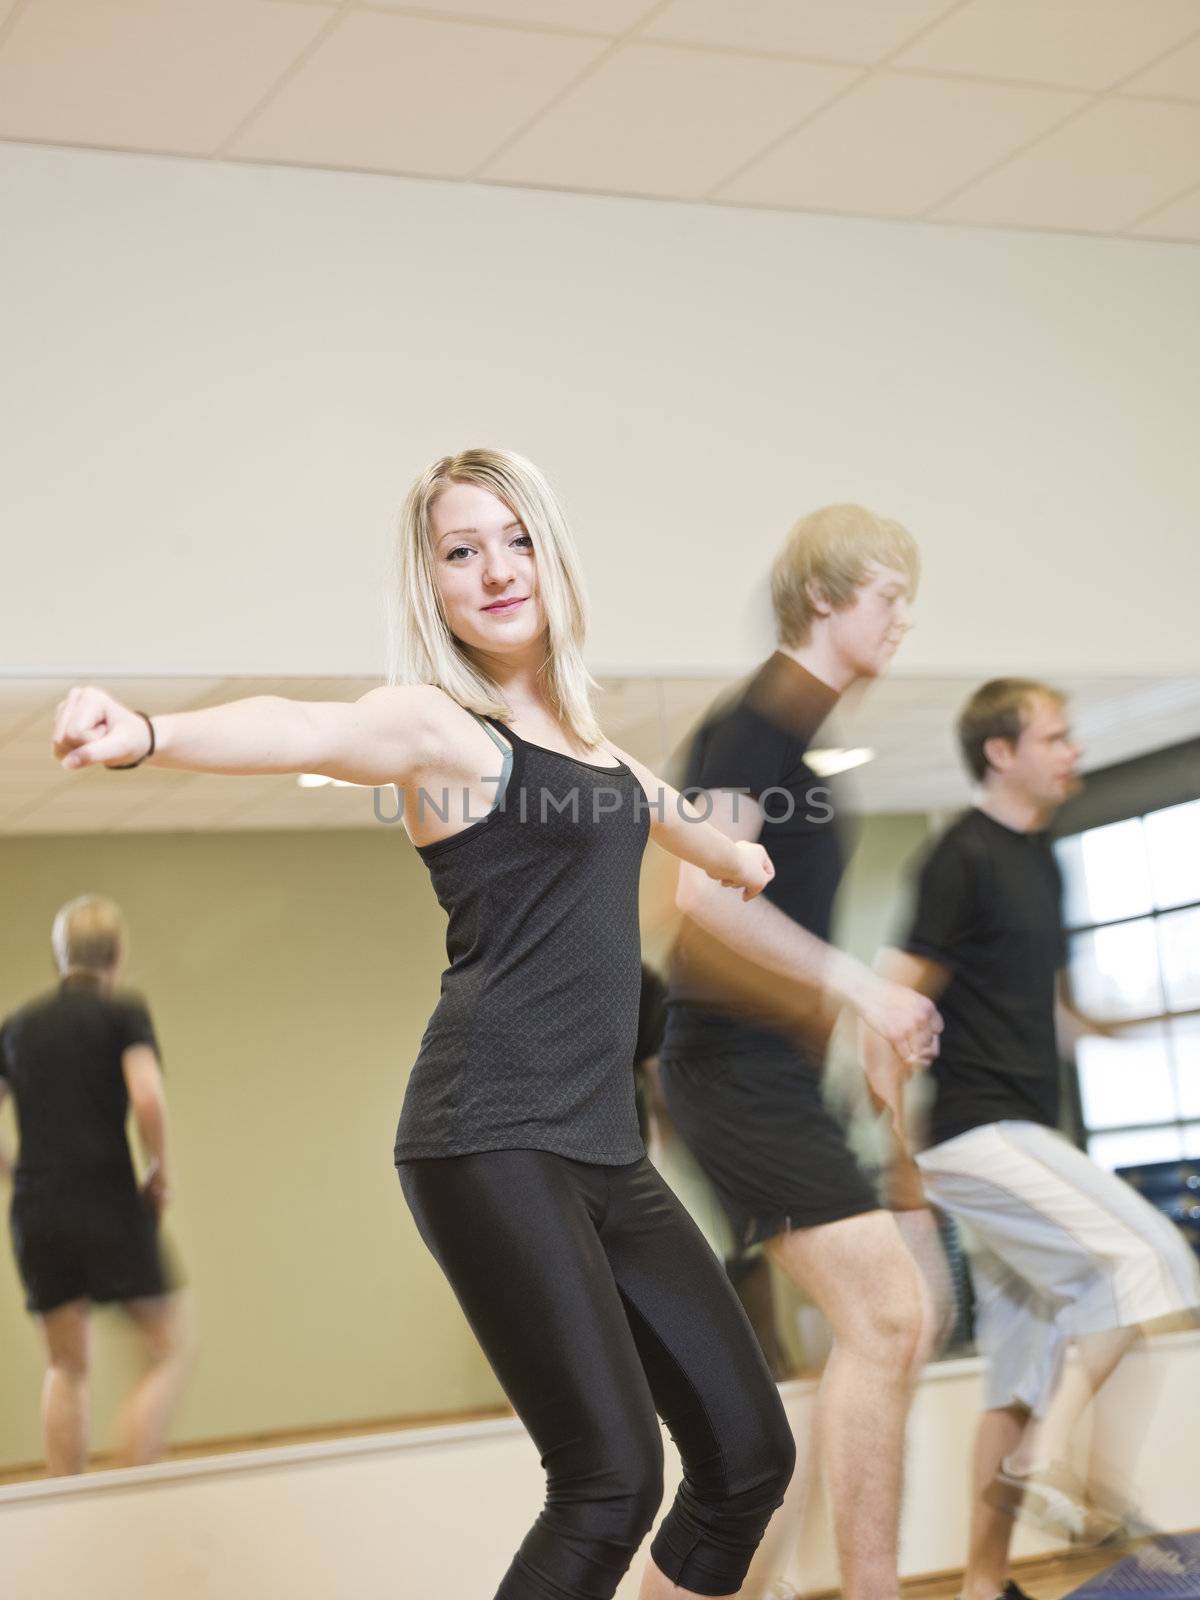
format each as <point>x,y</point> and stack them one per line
<point>594,1297</point>
<point>77,1061</point>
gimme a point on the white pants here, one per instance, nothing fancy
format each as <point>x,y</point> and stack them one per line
<point>1058,1248</point>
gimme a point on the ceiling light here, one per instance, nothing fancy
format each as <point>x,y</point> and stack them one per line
<point>318,780</point>
<point>826,762</point>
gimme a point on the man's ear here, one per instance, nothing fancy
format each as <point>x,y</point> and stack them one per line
<point>818,599</point>
<point>999,753</point>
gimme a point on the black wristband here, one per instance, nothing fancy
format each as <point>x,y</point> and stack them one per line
<point>128,766</point>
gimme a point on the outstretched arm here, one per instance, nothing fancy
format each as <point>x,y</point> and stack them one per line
<point>683,831</point>
<point>771,939</point>
<point>381,738</point>
<point>1071,1025</point>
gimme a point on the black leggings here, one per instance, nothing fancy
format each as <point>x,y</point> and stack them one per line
<point>598,1303</point>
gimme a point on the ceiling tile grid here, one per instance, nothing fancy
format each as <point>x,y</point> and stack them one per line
<point>166,75</point>
<point>1060,114</point>
<point>656,119</point>
<point>1108,168</point>
<point>399,93</point>
<point>1180,220</point>
<point>1077,44</point>
<point>897,144</point>
<point>609,17</point>
<point>1175,77</point>
<point>856,31</point>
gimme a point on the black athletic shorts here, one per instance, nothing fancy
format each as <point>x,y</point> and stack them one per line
<point>101,1247</point>
<point>759,1127</point>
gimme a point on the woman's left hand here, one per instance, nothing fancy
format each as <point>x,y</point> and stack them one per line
<point>754,869</point>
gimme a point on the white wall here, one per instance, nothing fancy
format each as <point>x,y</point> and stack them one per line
<point>436,1515</point>
<point>218,380</point>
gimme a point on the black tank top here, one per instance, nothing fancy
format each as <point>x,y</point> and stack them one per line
<point>531,1046</point>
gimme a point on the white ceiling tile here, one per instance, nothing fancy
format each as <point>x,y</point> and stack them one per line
<point>1181,220</point>
<point>1177,76</point>
<point>834,30</point>
<point>1081,44</point>
<point>589,16</point>
<point>148,74</point>
<point>896,144</point>
<point>654,119</point>
<point>1103,170</point>
<point>395,93</point>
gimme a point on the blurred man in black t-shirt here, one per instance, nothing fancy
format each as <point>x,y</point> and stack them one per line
<point>754,991</point>
<point>1063,1254</point>
<point>76,1061</point>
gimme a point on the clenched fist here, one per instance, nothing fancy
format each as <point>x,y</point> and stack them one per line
<point>910,1022</point>
<point>755,870</point>
<point>92,729</point>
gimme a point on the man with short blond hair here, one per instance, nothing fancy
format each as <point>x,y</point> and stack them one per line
<point>755,987</point>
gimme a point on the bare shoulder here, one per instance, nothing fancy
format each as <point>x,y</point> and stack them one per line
<point>640,770</point>
<point>432,725</point>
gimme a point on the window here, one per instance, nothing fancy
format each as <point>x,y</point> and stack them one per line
<point>1132,905</point>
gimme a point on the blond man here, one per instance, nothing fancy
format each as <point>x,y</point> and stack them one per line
<point>749,1015</point>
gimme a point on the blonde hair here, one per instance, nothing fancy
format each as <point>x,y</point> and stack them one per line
<point>423,649</point>
<point>88,935</point>
<point>998,710</point>
<point>830,550</point>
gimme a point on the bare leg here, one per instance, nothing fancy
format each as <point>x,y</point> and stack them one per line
<point>1048,1441</point>
<point>863,1278</point>
<point>919,1230</point>
<point>146,1414</point>
<point>65,1417</point>
<point>657,1587</point>
<point>998,1435</point>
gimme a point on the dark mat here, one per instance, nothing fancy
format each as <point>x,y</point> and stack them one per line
<point>1167,1568</point>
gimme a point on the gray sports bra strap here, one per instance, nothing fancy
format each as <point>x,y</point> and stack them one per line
<point>505,749</point>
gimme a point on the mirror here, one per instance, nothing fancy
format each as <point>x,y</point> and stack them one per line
<point>288,945</point>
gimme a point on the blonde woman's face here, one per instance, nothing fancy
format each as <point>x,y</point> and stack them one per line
<point>485,570</point>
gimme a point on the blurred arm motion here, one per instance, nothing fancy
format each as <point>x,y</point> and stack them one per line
<point>774,942</point>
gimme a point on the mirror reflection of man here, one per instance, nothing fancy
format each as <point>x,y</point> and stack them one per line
<point>1064,1255</point>
<point>77,1061</point>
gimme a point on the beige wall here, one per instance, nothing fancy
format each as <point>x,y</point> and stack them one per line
<point>219,380</point>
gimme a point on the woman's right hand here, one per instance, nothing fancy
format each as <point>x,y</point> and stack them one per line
<point>92,728</point>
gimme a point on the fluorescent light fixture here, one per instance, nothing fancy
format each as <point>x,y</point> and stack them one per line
<point>826,762</point>
<point>318,780</point>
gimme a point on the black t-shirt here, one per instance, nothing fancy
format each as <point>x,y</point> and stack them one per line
<point>61,1055</point>
<point>757,742</point>
<point>989,908</point>
<point>652,1016</point>
<point>652,1023</point>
